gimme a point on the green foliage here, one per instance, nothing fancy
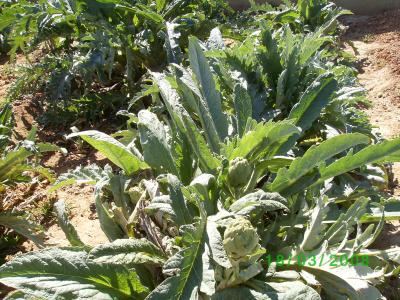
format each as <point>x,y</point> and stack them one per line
<point>243,152</point>
<point>15,162</point>
<point>85,279</point>
<point>66,226</point>
<point>20,223</point>
<point>113,150</point>
<point>6,125</point>
<point>191,223</point>
<point>96,45</point>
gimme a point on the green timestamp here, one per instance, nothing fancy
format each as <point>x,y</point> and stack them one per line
<point>334,260</point>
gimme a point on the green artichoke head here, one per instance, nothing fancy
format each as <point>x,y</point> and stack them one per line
<point>135,193</point>
<point>240,239</point>
<point>239,172</point>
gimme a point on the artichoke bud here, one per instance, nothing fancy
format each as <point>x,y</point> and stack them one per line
<point>134,194</point>
<point>240,239</point>
<point>239,172</point>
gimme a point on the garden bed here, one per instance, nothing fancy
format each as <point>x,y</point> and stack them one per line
<point>230,169</point>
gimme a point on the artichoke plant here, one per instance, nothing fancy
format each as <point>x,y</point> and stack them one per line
<point>214,200</point>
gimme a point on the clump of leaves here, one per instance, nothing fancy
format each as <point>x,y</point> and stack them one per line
<point>97,45</point>
<point>174,211</point>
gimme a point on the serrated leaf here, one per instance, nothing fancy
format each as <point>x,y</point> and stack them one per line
<point>171,44</point>
<point>142,11</point>
<point>208,162</point>
<point>215,40</point>
<point>347,282</point>
<point>263,138</point>
<point>189,263</point>
<point>90,174</point>
<point>387,151</point>
<point>160,5</point>
<point>293,290</point>
<point>392,254</point>
<point>338,230</point>
<point>174,204</point>
<point>111,229</point>
<point>243,108</point>
<point>218,252</point>
<point>12,164</point>
<point>313,235</point>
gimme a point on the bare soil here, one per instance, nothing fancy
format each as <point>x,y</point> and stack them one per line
<point>377,49</point>
<point>6,77</point>
<point>34,198</point>
<point>79,199</point>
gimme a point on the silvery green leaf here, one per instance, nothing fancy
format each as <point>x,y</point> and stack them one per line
<point>20,223</point>
<point>243,108</point>
<point>66,226</point>
<point>337,231</point>
<point>153,138</point>
<point>215,41</point>
<point>201,69</point>
<point>313,236</point>
<point>205,185</point>
<point>314,99</point>
<point>127,252</point>
<point>174,205</point>
<point>111,229</point>
<point>315,156</point>
<point>207,160</point>
<point>171,44</point>
<point>295,290</point>
<point>67,274</point>
<point>263,140</point>
<point>347,282</point>
<point>113,150</point>
<point>218,252</point>
<point>391,254</point>
<point>258,202</point>
<point>387,151</point>
<point>188,266</point>
<point>90,174</point>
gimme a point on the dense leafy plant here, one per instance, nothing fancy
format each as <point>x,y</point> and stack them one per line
<point>205,194</point>
<point>102,46</point>
<point>248,162</point>
<point>284,67</point>
<point>4,47</point>
<point>302,15</point>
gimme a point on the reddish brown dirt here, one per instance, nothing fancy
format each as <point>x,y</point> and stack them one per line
<point>377,43</point>
<point>35,198</point>
<point>79,199</point>
<point>6,78</point>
